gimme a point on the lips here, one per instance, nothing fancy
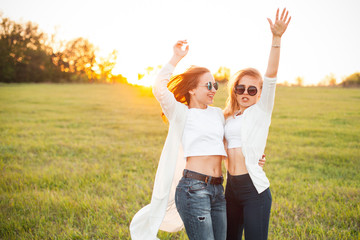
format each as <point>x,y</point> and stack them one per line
<point>245,99</point>
<point>211,96</point>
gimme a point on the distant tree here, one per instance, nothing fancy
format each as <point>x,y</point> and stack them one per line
<point>28,55</point>
<point>149,70</point>
<point>299,81</point>
<point>23,55</point>
<point>79,58</point>
<point>9,35</point>
<point>106,66</point>
<point>222,75</point>
<point>329,80</point>
<point>140,76</point>
<point>118,79</point>
<point>286,83</point>
<point>352,81</point>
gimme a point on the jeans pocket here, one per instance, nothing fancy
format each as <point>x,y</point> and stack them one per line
<point>197,186</point>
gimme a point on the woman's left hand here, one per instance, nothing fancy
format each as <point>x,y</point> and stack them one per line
<point>279,26</point>
<point>262,161</point>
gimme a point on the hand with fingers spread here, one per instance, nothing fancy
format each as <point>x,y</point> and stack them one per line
<point>279,26</point>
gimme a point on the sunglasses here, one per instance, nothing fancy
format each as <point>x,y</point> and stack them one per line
<point>210,85</point>
<point>240,89</point>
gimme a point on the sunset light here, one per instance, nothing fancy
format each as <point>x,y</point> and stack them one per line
<point>228,33</point>
<point>146,81</point>
<point>151,119</point>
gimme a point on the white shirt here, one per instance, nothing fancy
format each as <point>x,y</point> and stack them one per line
<point>232,132</point>
<point>204,132</point>
<point>251,129</point>
<point>161,213</point>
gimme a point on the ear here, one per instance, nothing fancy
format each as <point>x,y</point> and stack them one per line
<point>192,92</point>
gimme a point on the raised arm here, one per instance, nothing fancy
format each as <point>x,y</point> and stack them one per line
<point>160,90</point>
<point>277,28</point>
<point>179,53</point>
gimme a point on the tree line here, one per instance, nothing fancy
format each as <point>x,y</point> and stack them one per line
<point>29,55</point>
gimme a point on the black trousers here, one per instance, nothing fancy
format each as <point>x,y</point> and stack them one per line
<point>247,211</point>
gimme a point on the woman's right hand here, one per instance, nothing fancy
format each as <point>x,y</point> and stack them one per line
<point>178,51</point>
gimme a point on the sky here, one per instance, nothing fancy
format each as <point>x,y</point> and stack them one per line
<point>322,38</point>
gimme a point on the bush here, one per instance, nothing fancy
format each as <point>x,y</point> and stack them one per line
<point>352,81</point>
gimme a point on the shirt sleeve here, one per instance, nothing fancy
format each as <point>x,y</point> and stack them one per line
<point>161,92</point>
<point>267,98</point>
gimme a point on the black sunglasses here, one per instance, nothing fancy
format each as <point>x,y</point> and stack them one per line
<point>210,85</point>
<point>240,89</point>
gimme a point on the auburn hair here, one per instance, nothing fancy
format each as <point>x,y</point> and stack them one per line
<point>231,103</point>
<point>181,84</point>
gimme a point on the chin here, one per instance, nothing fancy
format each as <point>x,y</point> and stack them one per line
<point>245,105</point>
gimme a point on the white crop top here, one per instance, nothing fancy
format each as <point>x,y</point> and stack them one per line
<point>204,132</point>
<point>233,131</point>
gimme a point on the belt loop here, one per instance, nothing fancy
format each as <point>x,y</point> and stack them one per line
<point>207,179</point>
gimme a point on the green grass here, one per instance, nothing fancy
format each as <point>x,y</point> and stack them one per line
<point>78,161</point>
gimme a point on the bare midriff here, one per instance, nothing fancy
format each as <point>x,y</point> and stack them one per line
<point>236,161</point>
<point>208,165</point>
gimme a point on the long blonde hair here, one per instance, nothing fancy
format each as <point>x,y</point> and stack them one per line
<point>231,103</point>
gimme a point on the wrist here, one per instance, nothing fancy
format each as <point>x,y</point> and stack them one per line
<point>175,59</point>
<point>276,38</point>
<point>276,41</point>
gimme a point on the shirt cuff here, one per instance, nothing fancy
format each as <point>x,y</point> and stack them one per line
<point>270,79</point>
<point>169,67</point>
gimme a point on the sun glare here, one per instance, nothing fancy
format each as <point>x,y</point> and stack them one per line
<point>147,78</point>
<point>146,81</point>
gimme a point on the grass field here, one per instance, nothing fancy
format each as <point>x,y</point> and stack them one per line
<point>78,161</point>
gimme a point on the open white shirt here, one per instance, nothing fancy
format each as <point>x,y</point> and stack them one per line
<point>161,213</point>
<point>251,129</point>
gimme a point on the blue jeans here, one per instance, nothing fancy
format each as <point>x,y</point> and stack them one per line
<point>247,210</point>
<point>202,208</point>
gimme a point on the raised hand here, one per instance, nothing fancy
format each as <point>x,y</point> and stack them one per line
<point>279,26</point>
<point>178,51</point>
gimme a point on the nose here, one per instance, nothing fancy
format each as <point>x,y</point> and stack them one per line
<point>213,87</point>
<point>246,90</point>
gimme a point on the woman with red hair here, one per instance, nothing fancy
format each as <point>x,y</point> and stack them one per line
<point>189,173</point>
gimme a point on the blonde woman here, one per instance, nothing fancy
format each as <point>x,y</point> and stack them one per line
<point>248,115</point>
